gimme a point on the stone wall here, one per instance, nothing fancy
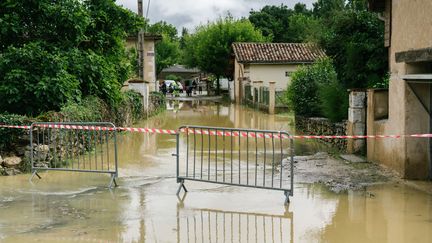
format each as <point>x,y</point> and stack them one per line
<point>322,126</point>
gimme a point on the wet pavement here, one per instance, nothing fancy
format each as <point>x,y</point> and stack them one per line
<point>78,207</point>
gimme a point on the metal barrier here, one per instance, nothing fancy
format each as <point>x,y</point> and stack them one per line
<point>205,225</point>
<point>238,157</point>
<point>77,147</point>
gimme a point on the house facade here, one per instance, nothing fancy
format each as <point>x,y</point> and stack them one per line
<point>261,64</point>
<point>407,106</point>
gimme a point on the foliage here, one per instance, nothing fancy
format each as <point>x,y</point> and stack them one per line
<point>354,40</point>
<point>135,101</point>
<point>304,28</point>
<point>302,94</point>
<point>53,52</point>
<point>275,23</point>
<point>325,9</point>
<point>167,53</point>
<point>333,101</point>
<point>163,27</point>
<point>35,79</point>
<point>173,77</point>
<point>384,84</point>
<point>7,135</point>
<point>159,100</point>
<point>90,109</point>
<point>168,49</point>
<point>209,48</point>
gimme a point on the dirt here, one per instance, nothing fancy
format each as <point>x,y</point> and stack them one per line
<point>337,174</point>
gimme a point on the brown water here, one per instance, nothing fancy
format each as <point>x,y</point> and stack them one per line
<point>77,207</point>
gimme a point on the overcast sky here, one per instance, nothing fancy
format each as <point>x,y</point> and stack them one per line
<point>191,13</point>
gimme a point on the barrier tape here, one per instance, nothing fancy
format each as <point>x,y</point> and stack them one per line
<point>214,132</point>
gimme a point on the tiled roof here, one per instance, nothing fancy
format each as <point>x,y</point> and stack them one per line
<point>277,52</point>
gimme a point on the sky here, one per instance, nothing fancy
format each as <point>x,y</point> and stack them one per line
<point>191,13</point>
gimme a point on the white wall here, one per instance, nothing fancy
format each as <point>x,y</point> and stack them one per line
<point>272,72</point>
<point>141,88</point>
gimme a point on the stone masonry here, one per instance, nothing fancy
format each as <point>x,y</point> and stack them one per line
<point>356,121</point>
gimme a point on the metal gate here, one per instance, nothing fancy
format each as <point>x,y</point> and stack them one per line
<point>238,157</point>
<point>76,147</point>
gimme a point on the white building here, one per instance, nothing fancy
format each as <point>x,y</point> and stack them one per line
<point>261,63</point>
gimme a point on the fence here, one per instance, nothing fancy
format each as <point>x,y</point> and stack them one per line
<point>279,99</point>
<point>77,147</point>
<point>205,225</point>
<point>238,157</point>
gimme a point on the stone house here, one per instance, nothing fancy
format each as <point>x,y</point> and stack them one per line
<point>406,107</point>
<point>258,64</point>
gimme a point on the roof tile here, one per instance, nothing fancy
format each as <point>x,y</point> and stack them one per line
<point>277,52</point>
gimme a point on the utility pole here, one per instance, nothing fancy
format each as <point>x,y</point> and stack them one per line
<point>140,43</point>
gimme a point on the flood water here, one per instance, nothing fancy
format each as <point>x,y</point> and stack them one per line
<point>78,207</point>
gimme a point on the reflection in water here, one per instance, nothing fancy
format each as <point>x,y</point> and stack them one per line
<point>207,225</point>
<point>73,207</point>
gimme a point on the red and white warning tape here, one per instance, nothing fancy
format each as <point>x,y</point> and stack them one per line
<point>212,132</point>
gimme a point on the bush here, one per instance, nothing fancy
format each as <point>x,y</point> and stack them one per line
<point>334,101</point>
<point>302,94</point>
<point>9,136</point>
<point>135,101</point>
<point>34,79</point>
<point>90,109</point>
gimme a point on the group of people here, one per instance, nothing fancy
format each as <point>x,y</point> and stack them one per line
<point>175,88</point>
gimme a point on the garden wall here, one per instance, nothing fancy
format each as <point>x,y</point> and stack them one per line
<point>322,126</point>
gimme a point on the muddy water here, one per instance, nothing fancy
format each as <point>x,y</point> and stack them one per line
<point>64,207</point>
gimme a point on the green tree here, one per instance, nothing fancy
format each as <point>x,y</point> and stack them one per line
<point>55,51</point>
<point>274,21</point>
<point>354,40</point>
<point>327,8</point>
<point>209,48</point>
<point>304,28</point>
<point>163,27</point>
<point>168,49</point>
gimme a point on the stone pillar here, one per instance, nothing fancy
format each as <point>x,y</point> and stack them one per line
<point>237,90</point>
<point>356,125</point>
<point>272,97</point>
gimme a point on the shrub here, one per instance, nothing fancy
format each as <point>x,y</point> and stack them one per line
<point>9,136</point>
<point>90,109</point>
<point>34,79</point>
<point>135,101</point>
<point>334,101</point>
<point>302,94</point>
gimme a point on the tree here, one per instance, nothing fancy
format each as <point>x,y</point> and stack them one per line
<point>327,8</point>
<point>163,27</point>
<point>274,21</point>
<point>209,48</point>
<point>354,40</point>
<point>304,28</point>
<point>167,50</point>
<point>55,51</point>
